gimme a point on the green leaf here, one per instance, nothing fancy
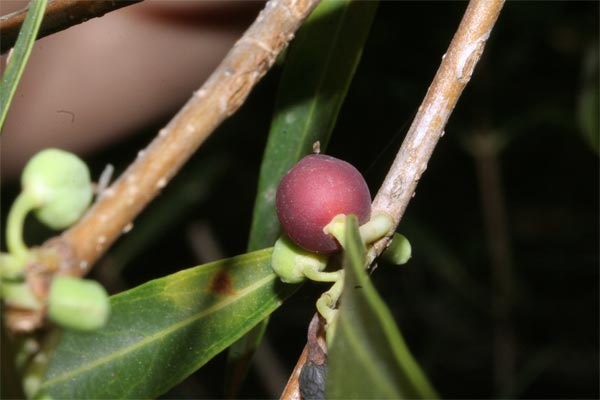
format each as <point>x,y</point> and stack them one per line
<point>368,357</point>
<point>19,57</point>
<point>162,331</point>
<point>317,73</point>
<point>318,70</point>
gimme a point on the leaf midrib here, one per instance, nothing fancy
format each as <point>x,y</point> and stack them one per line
<point>368,359</point>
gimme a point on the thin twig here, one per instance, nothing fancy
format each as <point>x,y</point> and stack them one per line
<point>59,15</point>
<point>428,126</point>
<point>220,96</point>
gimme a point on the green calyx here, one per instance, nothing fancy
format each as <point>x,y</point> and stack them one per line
<point>80,304</point>
<point>377,227</point>
<point>336,228</point>
<point>59,185</point>
<point>292,263</point>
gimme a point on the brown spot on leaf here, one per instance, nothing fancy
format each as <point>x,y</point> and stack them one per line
<point>221,284</point>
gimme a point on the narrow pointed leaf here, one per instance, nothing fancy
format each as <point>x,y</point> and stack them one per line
<point>368,358</point>
<point>18,60</point>
<point>162,331</point>
<point>318,70</point>
<point>317,73</point>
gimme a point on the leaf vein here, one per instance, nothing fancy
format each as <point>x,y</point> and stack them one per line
<point>162,333</point>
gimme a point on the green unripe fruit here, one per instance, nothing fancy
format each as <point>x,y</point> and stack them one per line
<point>59,183</point>
<point>290,261</point>
<point>80,304</point>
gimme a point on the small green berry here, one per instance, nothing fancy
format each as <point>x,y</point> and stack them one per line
<point>290,261</point>
<point>60,184</point>
<point>80,304</point>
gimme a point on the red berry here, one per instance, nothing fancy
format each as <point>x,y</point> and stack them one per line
<point>314,191</point>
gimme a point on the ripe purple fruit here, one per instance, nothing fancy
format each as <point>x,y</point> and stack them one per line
<point>314,191</point>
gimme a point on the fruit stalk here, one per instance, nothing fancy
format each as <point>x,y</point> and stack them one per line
<point>23,204</point>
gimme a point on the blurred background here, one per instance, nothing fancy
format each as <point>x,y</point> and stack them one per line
<point>500,298</point>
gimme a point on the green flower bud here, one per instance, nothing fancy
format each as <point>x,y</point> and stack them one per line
<point>80,304</point>
<point>19,294</point>
<point>399,250</point>
<point>60,184</point>
<point>290,261</point>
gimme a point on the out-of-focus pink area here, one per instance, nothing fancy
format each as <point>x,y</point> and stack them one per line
<point>96,82</point>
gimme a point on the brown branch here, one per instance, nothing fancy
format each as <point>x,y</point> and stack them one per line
<point>59,15</point>
<point>292,388</point>
<point>428,126</point>
<point>220,96</point>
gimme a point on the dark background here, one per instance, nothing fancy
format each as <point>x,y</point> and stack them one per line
<point>526,93</point>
